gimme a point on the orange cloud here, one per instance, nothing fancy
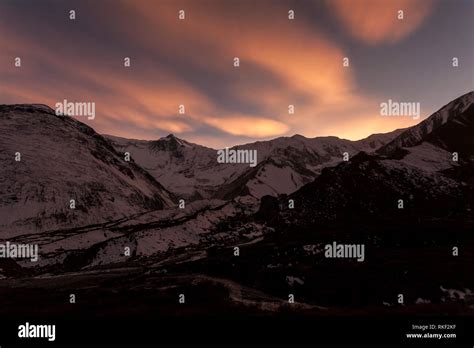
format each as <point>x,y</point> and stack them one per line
<point>304,67</point>
<point>377,21</point>
<point>307,64</point>
<point>248,126</point>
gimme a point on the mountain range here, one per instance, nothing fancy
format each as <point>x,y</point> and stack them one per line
<point>402,194</point>
<point>284,164</point>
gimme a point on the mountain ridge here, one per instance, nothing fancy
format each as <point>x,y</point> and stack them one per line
<point>191,170</point>
<point>39,186</point>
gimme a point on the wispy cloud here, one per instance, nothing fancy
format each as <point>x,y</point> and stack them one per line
<point>377,21</point>
<point>190,62</point>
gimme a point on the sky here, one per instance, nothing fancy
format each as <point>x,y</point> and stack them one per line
<point>282,62</point>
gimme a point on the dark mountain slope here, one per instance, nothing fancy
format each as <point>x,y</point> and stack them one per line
<point>63,159</point>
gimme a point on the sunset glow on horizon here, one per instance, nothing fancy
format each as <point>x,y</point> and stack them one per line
<point>282,62</point>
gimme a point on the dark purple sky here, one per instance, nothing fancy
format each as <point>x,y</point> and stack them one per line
<point>282,62</point>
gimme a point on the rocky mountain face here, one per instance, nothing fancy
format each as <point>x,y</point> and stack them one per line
<point>284,164</point>
<point>428,167</point>
<point>49,160</point>
<point>447,116</point>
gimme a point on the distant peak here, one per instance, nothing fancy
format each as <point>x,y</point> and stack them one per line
<point>172,138</point>
<point>169,142</point>
<point>298,136</point>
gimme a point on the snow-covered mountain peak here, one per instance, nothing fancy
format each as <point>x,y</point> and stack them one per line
<point>416,134</point>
